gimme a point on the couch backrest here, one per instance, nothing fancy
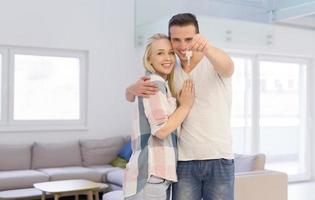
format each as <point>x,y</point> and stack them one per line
<point>260,162</point>
<point>100,152</point>
<point>15,157</point>
<point>56,154</point>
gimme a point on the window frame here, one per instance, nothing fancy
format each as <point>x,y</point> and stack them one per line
<point>254,139</point>
<point>306,144</point>
<point>4,86</point>
<point>249,148</point>
<point>9,124</point>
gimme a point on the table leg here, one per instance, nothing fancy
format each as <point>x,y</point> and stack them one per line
<point>43,195</point>
<point>90,195</point>
<point>76,197</point>
<point>97,197</point>
<point>56,196</point>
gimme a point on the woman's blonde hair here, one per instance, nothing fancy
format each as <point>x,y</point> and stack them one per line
<point>147,64</point>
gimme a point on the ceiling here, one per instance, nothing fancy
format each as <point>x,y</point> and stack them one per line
<point>295,13</point>
<point>298,13</point>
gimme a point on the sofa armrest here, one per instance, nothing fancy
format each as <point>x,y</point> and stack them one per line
<point>261,185</point>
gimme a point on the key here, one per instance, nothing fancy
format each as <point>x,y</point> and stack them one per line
<point>188,55</point>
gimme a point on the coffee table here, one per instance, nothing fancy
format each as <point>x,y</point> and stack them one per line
<point>70,187</point>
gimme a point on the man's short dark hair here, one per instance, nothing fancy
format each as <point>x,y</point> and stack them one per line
<point>183,19</point>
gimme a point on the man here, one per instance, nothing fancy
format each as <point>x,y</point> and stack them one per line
<point>205,166</point>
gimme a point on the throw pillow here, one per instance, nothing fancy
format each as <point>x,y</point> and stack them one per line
<point>119,162</point>
<point>126,151</point>
<point>244,163</point>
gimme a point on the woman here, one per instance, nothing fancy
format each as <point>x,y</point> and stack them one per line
<point>152,166</point>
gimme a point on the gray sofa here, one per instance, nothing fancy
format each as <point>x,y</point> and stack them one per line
<point>25,164</point>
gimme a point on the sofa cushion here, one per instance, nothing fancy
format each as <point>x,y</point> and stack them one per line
<point>100,152</point>
<point>113,187</point>
<point>15,157</point>
<point>114,195</point>
<point>66,173</point>
<point>27,193</point>
<point>20,179</point>
<point>104,169</point>
<point>56,155</point>
<point>115,176</point>
<point>260,162</point>
<point>245,163</point>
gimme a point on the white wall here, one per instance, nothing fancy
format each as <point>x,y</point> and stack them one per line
<point>102,27</point>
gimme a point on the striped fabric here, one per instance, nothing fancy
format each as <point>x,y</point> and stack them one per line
<point>151,156</point>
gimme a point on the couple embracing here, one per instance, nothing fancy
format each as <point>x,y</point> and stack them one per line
<point>181,139</point>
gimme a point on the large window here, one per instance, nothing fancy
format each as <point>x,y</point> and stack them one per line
<point>282,124</point>
<point>269,115</point>
<point>46,89</point>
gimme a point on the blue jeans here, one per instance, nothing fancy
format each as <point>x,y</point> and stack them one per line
<point>204,179</point>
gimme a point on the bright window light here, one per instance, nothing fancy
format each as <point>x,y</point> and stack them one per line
<point>269,112</point>
<point>46,88</point>
<point>241,104</point>
<point>282,115</point>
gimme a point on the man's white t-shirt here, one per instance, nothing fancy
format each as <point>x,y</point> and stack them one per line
<point>205,133</point>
